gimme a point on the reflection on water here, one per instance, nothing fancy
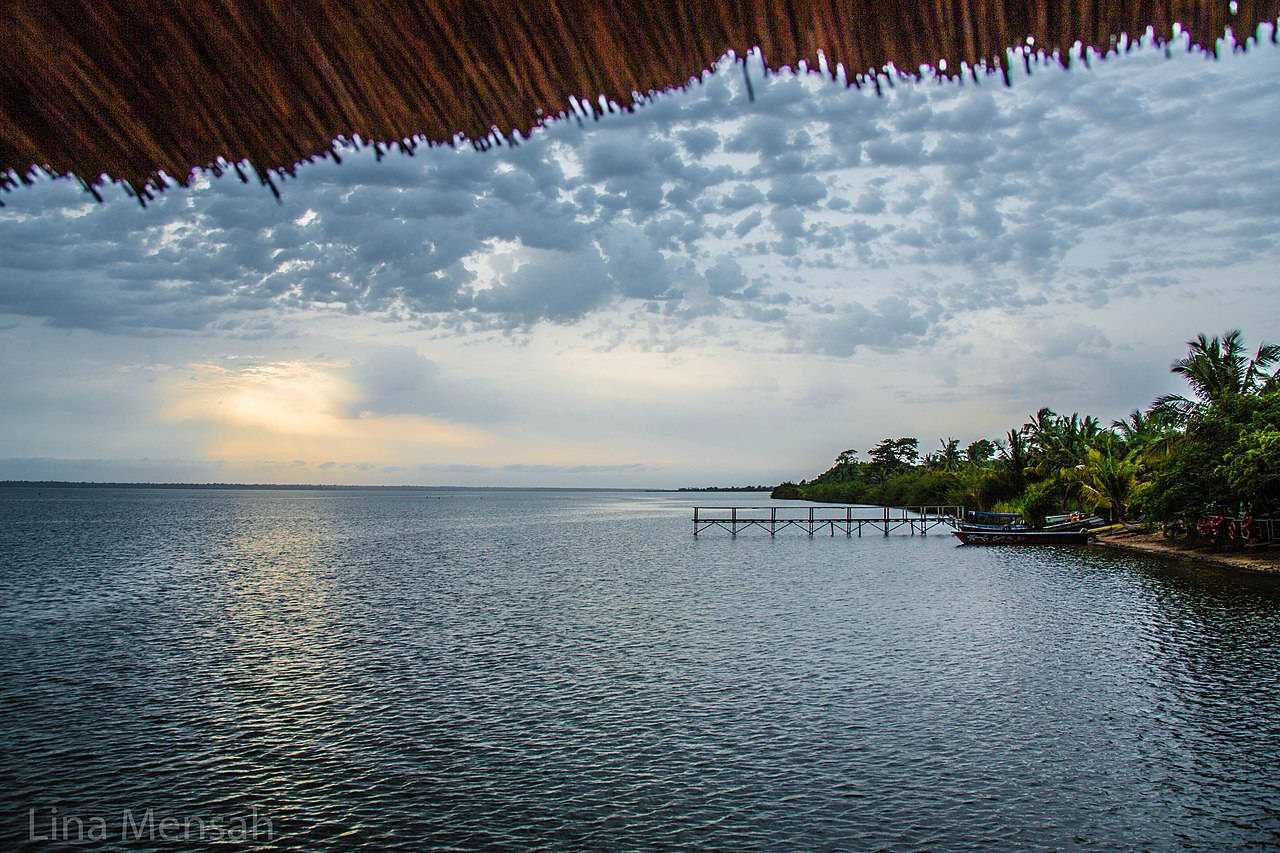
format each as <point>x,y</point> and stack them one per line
<point>467,668</point>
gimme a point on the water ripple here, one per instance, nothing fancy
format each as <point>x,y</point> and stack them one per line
<point>565,670</point>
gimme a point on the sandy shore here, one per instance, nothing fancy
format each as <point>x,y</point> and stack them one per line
<point>1252,560</point>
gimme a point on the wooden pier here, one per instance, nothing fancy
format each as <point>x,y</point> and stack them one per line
<point>829,518</point>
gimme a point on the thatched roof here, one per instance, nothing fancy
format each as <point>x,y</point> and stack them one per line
<point>131,88</point>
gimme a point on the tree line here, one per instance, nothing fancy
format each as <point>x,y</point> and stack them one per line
<point>1214,449</point>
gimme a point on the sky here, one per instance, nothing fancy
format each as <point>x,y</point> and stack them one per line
<point>708,290</point>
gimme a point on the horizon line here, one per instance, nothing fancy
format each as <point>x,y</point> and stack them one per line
<point>105,484</point>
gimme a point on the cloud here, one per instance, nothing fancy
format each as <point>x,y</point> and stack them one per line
<point>1039,191</point>
<point>803,191</point>
<point>555,291</point>
<point>638,269</point>
<point>740,197</point>
<point>898,151</point>
<point>396,380</point>
<point>789,222</point>
<point>576,469</point>
<point>748,223</point>
<point>762,134</point>
<point>725,276</point>
<point>699,141</point>
<point>892,322</point>
<point>517,316</point>
<point>870,201</point>
<point>607,157</point>
<point>1075,339</point>
<point>315,410</point>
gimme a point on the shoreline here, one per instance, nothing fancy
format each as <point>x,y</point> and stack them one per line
<point>1151,543</point>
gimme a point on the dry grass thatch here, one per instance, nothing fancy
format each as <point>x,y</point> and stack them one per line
<point>132,88</point>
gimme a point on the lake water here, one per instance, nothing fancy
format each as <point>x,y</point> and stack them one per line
<point>470,668</point>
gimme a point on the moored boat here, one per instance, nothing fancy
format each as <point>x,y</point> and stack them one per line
<point>996,522</point>
<point>1072,521</point>
<point>1003,528</point>
<point>1023,537</point>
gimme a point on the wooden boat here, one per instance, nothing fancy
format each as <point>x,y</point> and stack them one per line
<point>1023,537</point>
<point>1072,521</point>
<point>1003,528</point>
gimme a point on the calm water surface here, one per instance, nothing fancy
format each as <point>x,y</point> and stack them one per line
<point>575,670</point>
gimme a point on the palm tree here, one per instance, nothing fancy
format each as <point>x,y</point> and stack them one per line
<point>949,455</point>
<point>1011,466</point>
<point>1135,429</point>
<point>1013,451</point>
<point>845,463</point>
<point>1041,425</point>
<point>1106,481</point>
<point>979,452</point>
<point>1147,436</point>
<point>1058,444</point>
<point>1217,370</point>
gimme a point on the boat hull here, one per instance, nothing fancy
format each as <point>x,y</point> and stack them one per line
<point>1023,537</point>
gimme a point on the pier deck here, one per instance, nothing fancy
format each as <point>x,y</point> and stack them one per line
<point>847,519</point>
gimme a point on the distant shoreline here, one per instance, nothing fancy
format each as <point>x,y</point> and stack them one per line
<point>95,484</point>
<point>296,487</point>
<point>326,487</point>
<point>719,489</point>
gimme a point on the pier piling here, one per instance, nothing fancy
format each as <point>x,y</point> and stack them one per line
<point>811,519</point>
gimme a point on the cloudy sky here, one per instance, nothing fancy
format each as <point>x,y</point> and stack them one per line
<point>707,290</point>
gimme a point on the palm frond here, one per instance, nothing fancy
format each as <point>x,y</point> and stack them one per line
<point>1256,376</point>
<point>1174,408</point>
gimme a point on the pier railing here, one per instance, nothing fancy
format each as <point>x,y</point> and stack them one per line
<point>1267,530</point>
<point>828,518</point>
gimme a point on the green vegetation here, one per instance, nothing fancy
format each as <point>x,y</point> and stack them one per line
<point>1219,446</point>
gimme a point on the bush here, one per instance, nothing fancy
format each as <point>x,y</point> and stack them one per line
<point>1039,500</point>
